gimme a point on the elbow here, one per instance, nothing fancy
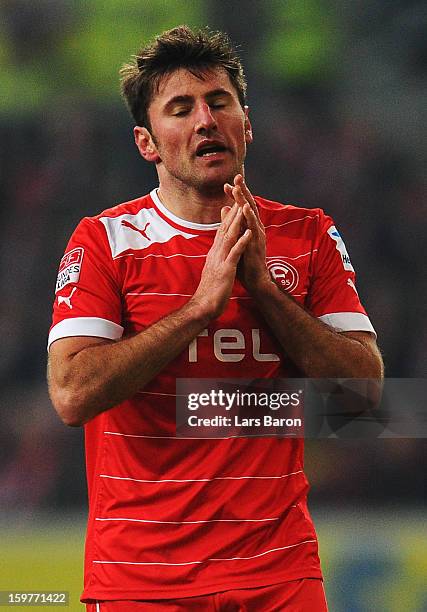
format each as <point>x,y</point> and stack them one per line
<point>372,386</point>
<point>376,382</point>
<point>69,407</point>
<point>374,392</point>
<point>378,367</point>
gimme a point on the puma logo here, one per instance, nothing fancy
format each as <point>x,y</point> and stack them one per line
<point>136,229</point>
<point>66,300</point>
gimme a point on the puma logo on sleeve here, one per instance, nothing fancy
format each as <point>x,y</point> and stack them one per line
<point>66,300</point>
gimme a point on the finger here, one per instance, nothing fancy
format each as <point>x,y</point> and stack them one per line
<point>240,181</point>
<point>242,194</point>
<point>229,229</point>
<point>234,228</point>
<point>249,215</point>
<point>252,221</point>
<point>228,190</point>
<point>237,250</point>
<point>224,212</point>
<point>251,201</point>
<point>238,196</point>
<point>228,218</point>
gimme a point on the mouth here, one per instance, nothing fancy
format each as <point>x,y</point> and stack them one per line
<point>210,149</point>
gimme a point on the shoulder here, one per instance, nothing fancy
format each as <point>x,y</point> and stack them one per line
<point>112,214</point>
<point>278,214</point>
<point>292,211</point>
<point>95,232</point>
<point>132,207</point>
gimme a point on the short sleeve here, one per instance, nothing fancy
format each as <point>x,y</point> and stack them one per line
<point>88,298</point>
<point>333,296</point>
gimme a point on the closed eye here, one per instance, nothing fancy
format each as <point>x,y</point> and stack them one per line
<point>181,113</point>
<point>185,111</point>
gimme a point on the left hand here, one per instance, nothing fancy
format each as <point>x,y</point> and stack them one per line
<point>252,269</point>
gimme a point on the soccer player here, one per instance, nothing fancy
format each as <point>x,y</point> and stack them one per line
<point>197,279</point>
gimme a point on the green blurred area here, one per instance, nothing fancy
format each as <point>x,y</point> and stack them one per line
<point>78,54</point>
<point>302,43</point>
<point>374,561</point>
<point>75,50</point>
<point>45,558</point>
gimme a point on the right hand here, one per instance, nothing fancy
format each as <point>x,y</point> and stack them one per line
<point>219,272</point>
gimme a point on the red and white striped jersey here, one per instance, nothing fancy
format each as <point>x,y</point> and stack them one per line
<point>175,516</point>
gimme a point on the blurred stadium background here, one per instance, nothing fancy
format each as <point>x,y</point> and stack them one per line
<point>338,96</point>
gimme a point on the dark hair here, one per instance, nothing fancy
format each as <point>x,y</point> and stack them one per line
<point>197,51</point>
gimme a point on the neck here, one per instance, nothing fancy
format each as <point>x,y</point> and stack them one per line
<point>192,203</point>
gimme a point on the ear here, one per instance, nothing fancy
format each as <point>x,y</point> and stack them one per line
<point>248,127</point>
<point>145,143</point>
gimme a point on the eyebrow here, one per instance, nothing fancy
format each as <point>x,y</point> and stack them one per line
<point>216,93</point>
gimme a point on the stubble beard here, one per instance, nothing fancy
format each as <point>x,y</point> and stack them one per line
<point>209,187</point>
<point>213,187</point>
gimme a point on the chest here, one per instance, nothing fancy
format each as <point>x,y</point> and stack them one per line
<point>160,282</point>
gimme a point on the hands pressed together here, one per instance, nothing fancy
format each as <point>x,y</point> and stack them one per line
<point>239,248</point>
<point>252,270</point>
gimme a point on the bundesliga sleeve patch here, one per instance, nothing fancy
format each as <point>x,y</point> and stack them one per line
<point>69,268</point>
<point>340,246</point>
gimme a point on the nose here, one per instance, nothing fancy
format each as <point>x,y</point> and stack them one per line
<point>205,121</point>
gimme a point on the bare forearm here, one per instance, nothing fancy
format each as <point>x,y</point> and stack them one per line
<point>88,376</point>
<point>315,348</point>
<point>102,375</point>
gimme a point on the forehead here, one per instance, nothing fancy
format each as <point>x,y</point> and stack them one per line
<point>182,82</point>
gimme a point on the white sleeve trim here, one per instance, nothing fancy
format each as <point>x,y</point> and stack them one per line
<point>85,326</point>
<point>348,321</point>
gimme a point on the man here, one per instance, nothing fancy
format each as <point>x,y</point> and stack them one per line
<point>177,284</point>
